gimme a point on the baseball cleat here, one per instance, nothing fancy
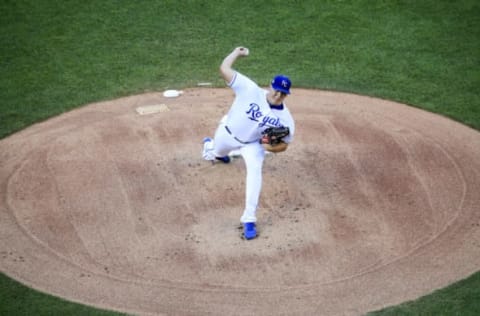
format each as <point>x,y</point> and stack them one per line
<point>224,159</point>
<point>207,152</point>
<point>249,231</point>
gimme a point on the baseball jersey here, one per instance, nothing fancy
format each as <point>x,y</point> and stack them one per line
<point>251,113</point>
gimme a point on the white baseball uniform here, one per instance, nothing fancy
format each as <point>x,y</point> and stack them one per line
<point>249,115</point>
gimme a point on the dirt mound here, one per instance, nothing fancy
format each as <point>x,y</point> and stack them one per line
<point>373,204</point>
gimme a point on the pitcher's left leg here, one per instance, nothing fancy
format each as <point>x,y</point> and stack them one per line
<point>253,154</point>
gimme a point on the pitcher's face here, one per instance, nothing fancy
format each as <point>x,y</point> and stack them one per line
<point>275,97</point>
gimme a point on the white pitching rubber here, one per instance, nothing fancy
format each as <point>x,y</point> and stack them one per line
<point>172,93</point>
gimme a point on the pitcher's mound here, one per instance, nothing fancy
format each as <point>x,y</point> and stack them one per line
<point>111,205</point>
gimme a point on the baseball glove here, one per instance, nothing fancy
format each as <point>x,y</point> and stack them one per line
<point>274,135</point>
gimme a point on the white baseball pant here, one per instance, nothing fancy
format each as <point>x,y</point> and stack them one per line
<point>253,155</point>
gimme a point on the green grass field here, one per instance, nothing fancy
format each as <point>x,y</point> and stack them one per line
<point>58,55</point>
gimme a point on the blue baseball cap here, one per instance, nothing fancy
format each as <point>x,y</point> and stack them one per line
<point>281,83</point>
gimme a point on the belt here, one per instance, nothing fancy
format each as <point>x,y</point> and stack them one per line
<point>234,137</point>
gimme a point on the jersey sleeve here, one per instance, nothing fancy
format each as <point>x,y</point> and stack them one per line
<point>288,139</point>
<point>288,121</point>
<point>241,83</point>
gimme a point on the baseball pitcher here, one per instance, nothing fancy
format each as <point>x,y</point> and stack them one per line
<point>258,120</point>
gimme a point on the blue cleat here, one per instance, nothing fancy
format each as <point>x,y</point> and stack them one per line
<point>208,151</point>
<point>249,231</point>
<point>224,159</point>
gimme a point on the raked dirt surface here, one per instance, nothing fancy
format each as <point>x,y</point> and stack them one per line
<point>373,204</point>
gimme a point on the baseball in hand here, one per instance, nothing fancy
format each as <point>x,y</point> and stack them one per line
<point>245,51</point>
